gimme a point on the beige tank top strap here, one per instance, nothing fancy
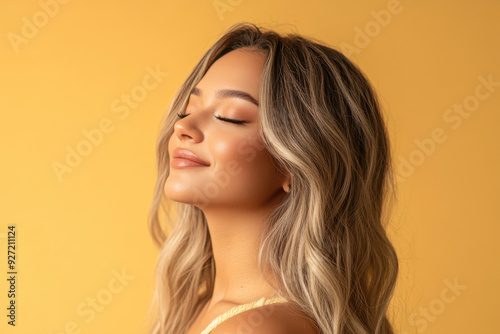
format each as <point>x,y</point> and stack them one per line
<point>241,308</point>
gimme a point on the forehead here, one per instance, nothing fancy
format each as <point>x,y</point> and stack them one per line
<point>239,69</point>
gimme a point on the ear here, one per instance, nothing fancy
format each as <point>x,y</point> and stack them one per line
<point>285,177</point>
<point>287,183</point>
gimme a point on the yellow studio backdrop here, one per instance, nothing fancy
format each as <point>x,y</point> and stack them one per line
<point>83,87</point>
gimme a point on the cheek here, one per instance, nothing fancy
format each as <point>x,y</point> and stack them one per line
<point>244,158</point>
<point>173,142</point>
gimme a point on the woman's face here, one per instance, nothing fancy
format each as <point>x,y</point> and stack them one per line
<point>241,173</point>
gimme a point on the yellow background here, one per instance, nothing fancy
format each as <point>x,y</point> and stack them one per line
<point>75,234</point>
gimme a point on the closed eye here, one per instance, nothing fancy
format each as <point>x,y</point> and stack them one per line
<point>229,120</point>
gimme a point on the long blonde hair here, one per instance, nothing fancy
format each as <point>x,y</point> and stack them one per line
<point>325,241</point>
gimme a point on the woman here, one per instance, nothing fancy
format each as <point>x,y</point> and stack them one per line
<point>276,161</point>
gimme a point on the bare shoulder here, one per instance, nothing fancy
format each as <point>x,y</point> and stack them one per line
<point>282,318</point>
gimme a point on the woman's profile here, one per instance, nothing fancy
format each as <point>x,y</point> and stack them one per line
<point>274,168</point>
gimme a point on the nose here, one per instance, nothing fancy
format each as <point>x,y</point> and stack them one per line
<point>189,127</point>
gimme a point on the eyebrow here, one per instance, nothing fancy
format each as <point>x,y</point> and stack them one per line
<point>228,93</point>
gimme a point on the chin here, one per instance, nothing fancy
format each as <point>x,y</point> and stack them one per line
<point>186,196</point>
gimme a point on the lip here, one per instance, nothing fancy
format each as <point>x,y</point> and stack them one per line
<point>183,158</point>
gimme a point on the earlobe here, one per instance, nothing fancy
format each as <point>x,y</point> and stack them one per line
<point>287,184</point>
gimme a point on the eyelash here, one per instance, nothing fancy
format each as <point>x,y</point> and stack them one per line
<point>229,120</point>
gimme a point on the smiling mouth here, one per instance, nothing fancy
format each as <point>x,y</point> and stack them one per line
<point>185,163</point>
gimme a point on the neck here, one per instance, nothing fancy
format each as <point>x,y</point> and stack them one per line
<point>235,234</point>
